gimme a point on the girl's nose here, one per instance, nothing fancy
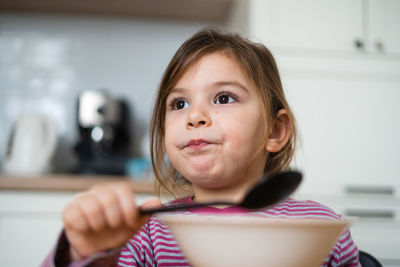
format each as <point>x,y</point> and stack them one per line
<point>197,118</point>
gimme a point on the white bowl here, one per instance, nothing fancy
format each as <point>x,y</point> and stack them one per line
<point>220,240</point>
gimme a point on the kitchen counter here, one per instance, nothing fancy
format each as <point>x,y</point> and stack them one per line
<point>69,182</point>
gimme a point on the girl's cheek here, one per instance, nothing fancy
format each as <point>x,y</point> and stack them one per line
<point>169,125</point>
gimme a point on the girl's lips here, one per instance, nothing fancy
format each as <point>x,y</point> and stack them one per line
<point>197,143</point>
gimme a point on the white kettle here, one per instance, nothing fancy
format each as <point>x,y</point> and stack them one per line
<point>31,146</point>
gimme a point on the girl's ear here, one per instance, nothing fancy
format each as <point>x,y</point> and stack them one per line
<point>280,132</point>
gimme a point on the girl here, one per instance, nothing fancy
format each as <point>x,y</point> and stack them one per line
<point>222,120</point>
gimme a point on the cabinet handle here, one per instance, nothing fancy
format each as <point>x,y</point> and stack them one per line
<point>359,44</point>
<point>369,190</point>
<point>370,214</point>
<point>379,46</point>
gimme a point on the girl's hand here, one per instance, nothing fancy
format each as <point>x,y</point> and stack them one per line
<point>102,218</point>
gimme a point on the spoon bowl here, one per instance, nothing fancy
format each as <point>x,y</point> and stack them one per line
<point>267,193</point>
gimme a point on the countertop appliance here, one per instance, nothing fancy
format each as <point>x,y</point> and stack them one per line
<point>104,133</point>
<point>31,146</point>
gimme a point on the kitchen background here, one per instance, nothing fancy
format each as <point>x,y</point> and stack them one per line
<point>340,65</point>
<point>48,60</point>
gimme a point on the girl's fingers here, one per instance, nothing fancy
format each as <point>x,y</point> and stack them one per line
<point>104,217</point>
<point>108,200</point>
<point>73,218</point>
<point>93,212</point>
<point>126,201</point>
<point>106,206</point>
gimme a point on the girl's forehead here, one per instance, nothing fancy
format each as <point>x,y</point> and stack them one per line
<point>215,67</point>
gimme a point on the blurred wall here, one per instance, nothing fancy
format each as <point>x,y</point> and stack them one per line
<point>47,60</point>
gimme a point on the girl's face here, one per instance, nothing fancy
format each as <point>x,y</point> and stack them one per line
<point>213,129</point>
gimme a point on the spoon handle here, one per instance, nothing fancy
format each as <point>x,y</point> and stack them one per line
<point>265,194</point>
<point>182,207</point>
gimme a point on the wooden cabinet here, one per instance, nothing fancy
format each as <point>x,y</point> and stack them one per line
<point>327,26</point>
<point>198,10</point>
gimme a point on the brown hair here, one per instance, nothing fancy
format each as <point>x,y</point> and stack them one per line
<point>256,62</point>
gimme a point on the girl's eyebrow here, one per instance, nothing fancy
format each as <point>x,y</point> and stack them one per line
<point>232,83</point>
<point>177,90</point>
<point>216,84</point>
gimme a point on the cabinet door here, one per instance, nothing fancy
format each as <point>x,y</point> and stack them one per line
<point>380,238</point>
<point>384,26</point>
<point>349,127</point>
<point>30,223</point>
<point>27,240</point>
<point>332,25</point>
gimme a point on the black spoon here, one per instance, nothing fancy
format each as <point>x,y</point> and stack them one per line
<point>265,194</point>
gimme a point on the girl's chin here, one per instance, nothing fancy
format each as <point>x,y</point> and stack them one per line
<point>204,163</point>
<point>209,185</point>
<point>207,180</point>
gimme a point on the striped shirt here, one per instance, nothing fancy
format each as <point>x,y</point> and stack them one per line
<point>154,245</point>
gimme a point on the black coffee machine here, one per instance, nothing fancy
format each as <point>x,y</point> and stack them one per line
<point>104,134</point>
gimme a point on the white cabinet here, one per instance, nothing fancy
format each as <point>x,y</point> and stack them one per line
<point>30,223</point>
<point>347,112</point>
<point>345,101</point>
<point>328,25</point>
<point>309,24</point>
<point>375,223</point>
<point>340,67</point>
<point>384,26</point>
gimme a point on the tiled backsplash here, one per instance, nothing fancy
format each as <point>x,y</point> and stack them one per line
<point>47,60</point>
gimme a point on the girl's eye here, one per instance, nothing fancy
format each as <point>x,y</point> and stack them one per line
<point>179,104</point>
<point>225,99</point>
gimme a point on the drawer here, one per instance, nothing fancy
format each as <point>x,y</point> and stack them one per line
<point>381,238</point>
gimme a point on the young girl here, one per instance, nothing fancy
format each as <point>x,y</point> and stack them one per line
<point>222,121</point>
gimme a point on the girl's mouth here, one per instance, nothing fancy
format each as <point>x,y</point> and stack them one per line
<point>197,143</point>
